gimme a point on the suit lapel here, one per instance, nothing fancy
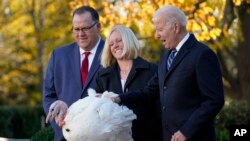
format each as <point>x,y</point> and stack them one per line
<point>74,58</point>
<point>132,73</point>
<point>181,54</point>
<point>162,68</point>
<point>177,60</point>
<point>138,64</point>
<point>114,76</point>
<point>95,66</point>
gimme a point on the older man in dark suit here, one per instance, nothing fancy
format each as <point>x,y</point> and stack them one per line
<point>189,81</point>
<point>72,68</point>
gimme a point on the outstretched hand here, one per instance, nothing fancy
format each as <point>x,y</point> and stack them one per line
<point>116,99</point>
<point>178,136</point>
<point>113,96</point>
<point>57,112</point>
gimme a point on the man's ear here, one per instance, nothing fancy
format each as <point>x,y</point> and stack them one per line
<point>98,25</point>
<point>177,27</point>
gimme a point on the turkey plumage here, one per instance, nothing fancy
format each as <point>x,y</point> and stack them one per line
<point>98,119</point>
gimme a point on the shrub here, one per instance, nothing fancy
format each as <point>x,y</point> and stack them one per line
<point>20,122</point>
<point>233,113</point>
<point>46,134</point>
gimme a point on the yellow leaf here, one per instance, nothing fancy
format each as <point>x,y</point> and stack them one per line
<point>196,26</point>
<point>211,21</point>
<point>237,2</point>
<point>207,10</point>
<point>204,27</point>
<point>181,1</point>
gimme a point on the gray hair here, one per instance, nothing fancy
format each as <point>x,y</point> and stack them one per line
<point>172,14</point>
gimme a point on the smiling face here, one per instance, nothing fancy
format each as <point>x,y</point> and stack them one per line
<point>85,31</point>
<point>116,45</point>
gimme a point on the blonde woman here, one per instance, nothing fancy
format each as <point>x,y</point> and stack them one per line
<point>124,71</point>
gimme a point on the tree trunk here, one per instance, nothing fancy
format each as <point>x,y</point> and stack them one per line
<point>243,51</point>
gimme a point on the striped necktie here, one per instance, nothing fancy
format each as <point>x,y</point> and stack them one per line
<point>171,58</point>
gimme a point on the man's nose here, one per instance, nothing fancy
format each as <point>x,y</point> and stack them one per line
<point>81,32</point>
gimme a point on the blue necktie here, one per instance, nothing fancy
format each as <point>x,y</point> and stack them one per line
<point>171,58</point>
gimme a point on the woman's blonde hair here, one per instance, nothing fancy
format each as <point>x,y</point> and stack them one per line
<point>130,46</point>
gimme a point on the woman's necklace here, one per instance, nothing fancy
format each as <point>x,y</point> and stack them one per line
<point>124,72</point>
<point>125,67</point>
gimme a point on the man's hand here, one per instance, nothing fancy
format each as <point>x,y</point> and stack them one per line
<point>57,111</point>
<point>178,136</point>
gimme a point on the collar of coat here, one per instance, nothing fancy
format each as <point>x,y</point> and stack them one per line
<point>138,64</point>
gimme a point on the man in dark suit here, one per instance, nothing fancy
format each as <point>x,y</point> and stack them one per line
<point>68,76</point>
<point>189,82</point>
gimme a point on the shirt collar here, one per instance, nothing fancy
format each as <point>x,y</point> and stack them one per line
<point>178,47</point>
<point>93,50</point>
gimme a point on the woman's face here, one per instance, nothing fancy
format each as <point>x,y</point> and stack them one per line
<point>116,45</point>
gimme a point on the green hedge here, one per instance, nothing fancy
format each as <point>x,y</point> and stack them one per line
<point>20,122</point>
<point>46,134</point>
<point>233,113</point>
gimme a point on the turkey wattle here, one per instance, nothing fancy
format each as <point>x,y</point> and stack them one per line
<point>98,119</point>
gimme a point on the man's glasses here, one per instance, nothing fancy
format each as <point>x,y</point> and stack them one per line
<point>84,29</point>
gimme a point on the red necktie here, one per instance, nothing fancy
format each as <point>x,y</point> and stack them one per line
<point>84,68</point>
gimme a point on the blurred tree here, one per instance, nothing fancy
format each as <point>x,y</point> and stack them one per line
<point>234,51</point>
<point>30,29</point>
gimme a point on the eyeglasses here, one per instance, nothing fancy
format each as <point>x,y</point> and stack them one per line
<point>84,29</point>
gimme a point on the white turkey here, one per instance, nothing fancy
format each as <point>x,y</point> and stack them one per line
<point>98,119</point>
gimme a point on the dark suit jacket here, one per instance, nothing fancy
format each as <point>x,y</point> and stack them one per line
<point>63,78</point>
<point>147,126</point>
<point>191,92</point>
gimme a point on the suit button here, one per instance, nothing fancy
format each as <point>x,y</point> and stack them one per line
<point>126,90</point>
<point>163,108</point>
<point>165,87</point>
